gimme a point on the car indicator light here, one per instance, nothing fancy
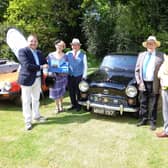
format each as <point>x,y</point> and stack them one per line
<point>15,87</point>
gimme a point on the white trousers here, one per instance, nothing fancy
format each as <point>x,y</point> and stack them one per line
<point>165,109</point>
<point>30,100</point>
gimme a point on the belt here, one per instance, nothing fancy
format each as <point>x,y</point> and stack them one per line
<point>148,81</point>
<point>74,76</point>
<point>61,74</point>
<point>38,76</point>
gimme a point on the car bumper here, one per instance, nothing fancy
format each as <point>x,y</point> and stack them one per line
<point>8,96</point>
<point>105,109</point>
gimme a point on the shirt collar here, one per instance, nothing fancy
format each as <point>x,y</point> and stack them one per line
<point>152,53</point>
<point>33,50</point>
<point>76,53</point>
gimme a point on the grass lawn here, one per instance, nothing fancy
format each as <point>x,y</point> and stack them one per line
<point>78,140</point>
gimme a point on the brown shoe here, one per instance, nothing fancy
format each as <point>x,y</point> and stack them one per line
<point>161,134</point>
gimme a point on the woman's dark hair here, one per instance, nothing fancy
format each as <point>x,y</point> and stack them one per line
<point>57,41</point>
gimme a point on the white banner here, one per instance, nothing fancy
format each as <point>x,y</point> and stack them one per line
<point>15,40</point>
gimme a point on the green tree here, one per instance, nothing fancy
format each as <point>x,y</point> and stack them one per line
<point>98,26</point>
<point>3,6</point>
<point>31,16</point>
<point>151,19</point>
<point>4,50</point>
<point>105,25</point>
<point>49,19</point>
<point>122,25</point>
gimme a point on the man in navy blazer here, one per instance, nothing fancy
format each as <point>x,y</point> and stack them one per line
<point>32,63</point>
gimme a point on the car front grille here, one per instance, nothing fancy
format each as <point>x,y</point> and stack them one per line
<point>119,91</point>
<point>108,100</point>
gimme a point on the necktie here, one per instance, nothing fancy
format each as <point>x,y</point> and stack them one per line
<point>146,64</point>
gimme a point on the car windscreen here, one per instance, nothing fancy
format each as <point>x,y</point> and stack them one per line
<point>119,62</point>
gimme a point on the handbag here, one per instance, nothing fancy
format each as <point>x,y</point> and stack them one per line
<point>50,80</point>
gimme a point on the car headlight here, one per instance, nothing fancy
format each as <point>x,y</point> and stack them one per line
<point>1,85</point>
<point>83,86</point>
<point>131,91</point>
<point>5,86</point>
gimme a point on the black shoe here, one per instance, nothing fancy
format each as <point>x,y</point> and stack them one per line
<point>141,123</point>
<point>71,108</point>
<point>152,126</point>
<point>78,108</point>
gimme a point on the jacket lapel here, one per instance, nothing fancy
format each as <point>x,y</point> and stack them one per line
<point>142,59</point>
<point>30,55</point>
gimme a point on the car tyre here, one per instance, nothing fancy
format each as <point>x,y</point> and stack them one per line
<point>18,101</point>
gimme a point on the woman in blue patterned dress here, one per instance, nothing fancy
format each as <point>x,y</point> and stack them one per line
<point>55,61</point>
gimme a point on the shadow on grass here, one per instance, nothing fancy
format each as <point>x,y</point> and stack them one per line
<point>66,118</point>
<point>78,117</point>
<point>82,117</point>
